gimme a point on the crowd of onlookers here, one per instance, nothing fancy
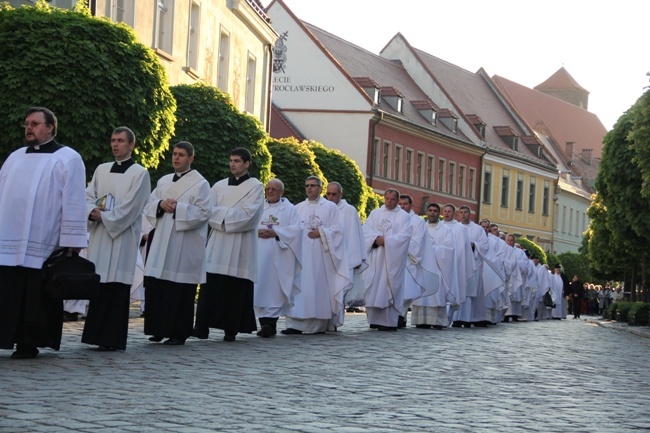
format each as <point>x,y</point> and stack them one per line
<point>597,298</point>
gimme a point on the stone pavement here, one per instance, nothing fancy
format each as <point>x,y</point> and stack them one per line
<point>550,376</point>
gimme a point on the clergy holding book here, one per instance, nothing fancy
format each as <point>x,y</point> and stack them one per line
<point>179,209</point>
<point>114,241</point>
<point>42,208</point>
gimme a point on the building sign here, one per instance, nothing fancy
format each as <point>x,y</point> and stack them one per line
<point>283,82</point>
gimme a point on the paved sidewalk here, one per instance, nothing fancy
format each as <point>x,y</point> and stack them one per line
<point>549,376</point>
<point>641,331</point>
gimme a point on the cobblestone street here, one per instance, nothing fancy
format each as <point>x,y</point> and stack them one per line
<point>551,376</point>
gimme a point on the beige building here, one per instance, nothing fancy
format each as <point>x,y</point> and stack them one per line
<point>223,43</point>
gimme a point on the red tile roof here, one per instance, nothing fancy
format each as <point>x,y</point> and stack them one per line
<point>281,127</point>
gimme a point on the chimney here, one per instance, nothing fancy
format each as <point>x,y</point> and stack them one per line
<point>570,147</point>
<point>586,155</point>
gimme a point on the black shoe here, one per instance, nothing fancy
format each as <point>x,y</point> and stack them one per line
<point>156,339</point>
<point>291,331</point>
<point>423,326</point>
<point>24,353</point>
<point>174,342</point>
<point>200,335</point>
<point>70,317</point>
<point>230,337</point>
<point>266,331</point>
<point>373,326</point>
<point>457,324</point>
<point>142,314</point>
<point>401,322</point>
<point>438,327</point>
<point>386,328</point>
<point>106,349</point>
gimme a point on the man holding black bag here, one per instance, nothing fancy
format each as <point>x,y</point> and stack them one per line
<point>42,207</point>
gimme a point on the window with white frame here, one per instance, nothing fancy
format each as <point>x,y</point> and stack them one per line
<point>471,182</point>
<point>487,184</point>
<point>377,154</point>
<point>461,181</point>
<point>398,163</point>
<point>556,218</point>
<point>409,166</point>
<point>224,60</point>
<point>452,178</point>
<point>505,188</point>
<point>250,83</point>
<point>571,221</point>
<point>122,11</point>
<point>546,198</point>
<point>519,194</point>
<point>386,167</point>
<point>564,219</point>
<point>193,36</point>
<point>532,194</point>
<point>431,160</point>
<point>442,173</point>
<point>164,25</point>
<point>420,169</point>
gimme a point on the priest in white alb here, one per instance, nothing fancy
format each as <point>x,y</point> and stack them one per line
<point>278,265</point>
<point>387,234</point>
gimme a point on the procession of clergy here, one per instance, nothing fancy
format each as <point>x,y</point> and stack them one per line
<point>249,252</point>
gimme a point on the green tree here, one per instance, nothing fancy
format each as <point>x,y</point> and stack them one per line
<point>207,118</point>
<point>373,200</point>
<point>575,264</point>
<point>533,249</point>
<point>339,167</point>
<point>292,164</point>
<point>93,74</point>
<point>640,136</point>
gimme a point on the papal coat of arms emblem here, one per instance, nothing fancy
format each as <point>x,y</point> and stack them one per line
<point>280,53</point>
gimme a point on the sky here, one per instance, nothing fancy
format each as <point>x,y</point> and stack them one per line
<point>603,45</point>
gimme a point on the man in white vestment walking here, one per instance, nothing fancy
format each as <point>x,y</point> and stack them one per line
<point>355,252</point>
<point>518,283</point>
<point>278,259</point>
<point>42,208</point>
<point>115,198</point>
<point>226,300</point>
<point>463,263</point>
<point>557,287</point>
<point>472,311</point>
<point>387,233</point>
<point>325,271</point>
<point>431,311</point>
<point>421,276</point>
<point>179,209</point>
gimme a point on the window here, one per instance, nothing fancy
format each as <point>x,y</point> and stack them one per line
<point>531,195</point>
<point>546,198</point>
<point>471,182</point>
<point>556,219</point>
<point>420,169</point>
<point>251,69</point>
<point>194,37</point>
<point>398,163</point>
<point>461,181</point>
<point>409,166</point>
<point>399,105</point>
<point>519,199</point>
<point>441,175</point>
<point>505,188</point>
<point>564,219</point>
<point>452,178</point>
<point>164,25</point>
<point>122,11</point>
<point>430,171</point>
<point>224,59</point>
<point>386,171</point>
<point>487,184</point>
<point>571,221</point>
<point>377,161</point>
<point>576,232</point>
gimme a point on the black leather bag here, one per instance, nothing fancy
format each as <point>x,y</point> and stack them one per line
<point>66,275</point>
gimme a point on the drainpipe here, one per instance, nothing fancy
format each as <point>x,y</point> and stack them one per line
<point>270,81</point>
<point>371,172</point>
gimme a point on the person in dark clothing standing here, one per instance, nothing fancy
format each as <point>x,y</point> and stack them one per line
<point>577,293</point>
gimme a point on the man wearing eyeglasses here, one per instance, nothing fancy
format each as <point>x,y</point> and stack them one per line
<point>226,300</point>
<point>278,258</point>
<point>42,208</point>
<point>325,272</point>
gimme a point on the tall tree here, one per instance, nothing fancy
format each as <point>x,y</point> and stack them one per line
<point>92,73</point>
<point>207,118</point>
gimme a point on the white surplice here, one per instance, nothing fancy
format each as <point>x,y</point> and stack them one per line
<point>236,214</point>
<point>114,241</point>
<point>177,252</point>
